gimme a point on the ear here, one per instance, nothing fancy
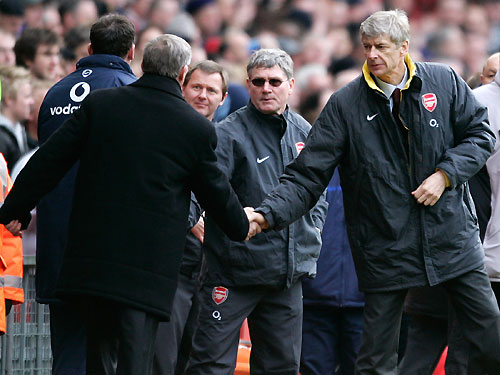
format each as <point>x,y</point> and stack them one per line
<point>131,53</point>
<point>223,99</point>
<point>248,83</point>
<point>90,49</point>
<point>291,82</point>
<point>182,75</point>
<point>404,47</point>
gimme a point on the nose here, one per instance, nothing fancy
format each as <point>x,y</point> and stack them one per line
<point>203,93</point>
<point>371,52</point>
<point>267,87</point>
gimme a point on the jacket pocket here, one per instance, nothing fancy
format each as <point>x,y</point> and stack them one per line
<point>469,203</point>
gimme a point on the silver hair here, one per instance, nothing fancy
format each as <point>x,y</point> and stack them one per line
<point>394,23</point>
<point>270,57</point>
<point>166,55</point>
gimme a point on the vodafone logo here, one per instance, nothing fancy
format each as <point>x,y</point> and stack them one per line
<point>86,73</point>
<point>79,91</point>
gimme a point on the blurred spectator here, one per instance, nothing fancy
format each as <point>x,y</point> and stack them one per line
<point>142,38</point>
<point>163,12</point>
<point>38,50</point>
<point>76,45</point>
<point>207,16</point>
<point>7,42</point>
<point>33,11</point>
<point>138,13</point>
<point>11,16</point>
<point>77,13</point>
<point>489,95</point>
<point>333,305</point>
<point>234,54</point>
<point>39,90</point>
<point>15,109</point>
<point>52,19</point>
<point>490,68</point>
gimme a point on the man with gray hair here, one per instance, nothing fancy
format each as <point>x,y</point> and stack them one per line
<point>407,136</point>
<point>258,279</point>
<point>142,150</point>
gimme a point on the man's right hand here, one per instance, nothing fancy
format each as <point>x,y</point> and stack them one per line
<point>253,227</point>
<point>257,222</point>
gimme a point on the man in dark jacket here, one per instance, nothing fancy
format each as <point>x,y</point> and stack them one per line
<point>259,279</point>
<point>111,50</point>
<point>205,89</point>
<point>333,305</point>
<point>407,137</point>
<point>142,150</point>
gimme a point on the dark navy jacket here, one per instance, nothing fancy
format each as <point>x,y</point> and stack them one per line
<point>92,73</point>
<point>336,283</point>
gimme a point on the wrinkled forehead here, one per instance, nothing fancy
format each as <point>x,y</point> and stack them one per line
<point>381,38</point>
<point>267,72</point>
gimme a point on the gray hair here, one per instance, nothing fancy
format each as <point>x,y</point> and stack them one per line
<point>394,23</point>
<point>270,57</point>
<point>166,55</point>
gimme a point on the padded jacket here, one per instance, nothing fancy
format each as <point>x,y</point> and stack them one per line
<point>397,243</point>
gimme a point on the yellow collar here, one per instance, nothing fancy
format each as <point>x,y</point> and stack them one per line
<point>371,82</point>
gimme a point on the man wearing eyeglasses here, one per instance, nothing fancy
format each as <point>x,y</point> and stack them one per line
<point>258,279</point>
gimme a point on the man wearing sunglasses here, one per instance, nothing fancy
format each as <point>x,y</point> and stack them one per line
<point>259,279</point>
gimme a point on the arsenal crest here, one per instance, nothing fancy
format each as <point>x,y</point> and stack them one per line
<point>299,146</point>
<point>219,294</point>
<point>429,101</point>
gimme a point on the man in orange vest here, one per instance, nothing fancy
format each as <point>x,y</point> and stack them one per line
<point>11,259</point>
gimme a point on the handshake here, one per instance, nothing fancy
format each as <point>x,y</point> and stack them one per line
<point>257,222</point>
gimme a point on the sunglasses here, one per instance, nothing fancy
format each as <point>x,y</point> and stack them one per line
<point>259,82</point>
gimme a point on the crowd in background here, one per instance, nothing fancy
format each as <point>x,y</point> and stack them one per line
<point>320,35</point>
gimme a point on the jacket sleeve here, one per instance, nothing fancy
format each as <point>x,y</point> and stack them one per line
<point>215,194</point>
<point>319,212</point>
<point>307,177</point>
<point>47,166</point>
<point>473,138</point>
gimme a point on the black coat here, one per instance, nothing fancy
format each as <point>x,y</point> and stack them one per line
<point>396,242</point>
<point>142,149</point>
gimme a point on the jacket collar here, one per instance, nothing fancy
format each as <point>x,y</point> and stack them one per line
<point>103,61</point>
<point>279,121</point>
<point>161,83</point>
<point>412,68</point>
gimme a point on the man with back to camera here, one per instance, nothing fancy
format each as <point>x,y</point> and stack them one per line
<point>128,222</point>
<point>205,89</point>
<point>111,49</point>
<point>404,176</point>
<point>259,279</point>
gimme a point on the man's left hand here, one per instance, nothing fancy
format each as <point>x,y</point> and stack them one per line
<point>431,189</point>
<point>14,227</point>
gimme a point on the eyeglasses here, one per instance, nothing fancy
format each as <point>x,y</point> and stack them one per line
<point>259,82</point>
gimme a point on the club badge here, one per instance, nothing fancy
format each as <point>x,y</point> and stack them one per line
<point>219,294</point>
<point>429,101</point>
<point>299,146</point>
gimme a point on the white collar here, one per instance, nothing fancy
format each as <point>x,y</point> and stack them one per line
<point>387,88</point>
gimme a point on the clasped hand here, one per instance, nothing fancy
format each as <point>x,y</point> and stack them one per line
<point>257,222</point>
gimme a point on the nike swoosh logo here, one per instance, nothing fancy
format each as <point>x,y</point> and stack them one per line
<point>262,160</point>
<point>369,118</point>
